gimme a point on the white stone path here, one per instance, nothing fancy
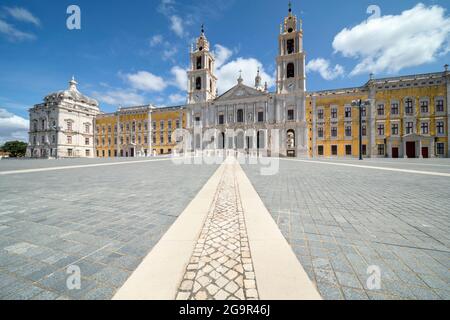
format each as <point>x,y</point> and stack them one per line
<point>221,266</point>
<point>224,246</point>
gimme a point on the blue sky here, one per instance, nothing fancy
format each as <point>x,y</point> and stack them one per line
<point>131,52</point>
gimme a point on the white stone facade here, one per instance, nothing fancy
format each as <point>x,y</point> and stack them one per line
<point>63,125</point>
<point>250,119</point>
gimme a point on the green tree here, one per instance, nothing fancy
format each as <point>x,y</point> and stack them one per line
<point>15,148</point>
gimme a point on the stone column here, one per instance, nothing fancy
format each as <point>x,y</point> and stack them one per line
<point>314,127</point>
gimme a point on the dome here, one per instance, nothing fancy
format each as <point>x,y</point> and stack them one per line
<point>72,94</point>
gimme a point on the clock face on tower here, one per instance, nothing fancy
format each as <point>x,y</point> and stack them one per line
<point>291,86</point>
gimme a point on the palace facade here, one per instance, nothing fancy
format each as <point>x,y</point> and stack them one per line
<point>63,125</point>
<point>404,116</point>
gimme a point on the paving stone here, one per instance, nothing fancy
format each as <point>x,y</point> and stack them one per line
<point>222,250</point>
<point>372,221</point>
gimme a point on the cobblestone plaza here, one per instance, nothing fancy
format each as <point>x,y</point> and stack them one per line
<point>338,218</point>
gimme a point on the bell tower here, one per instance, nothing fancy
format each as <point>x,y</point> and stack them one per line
<point>202,83</point>
<point>291,57</point>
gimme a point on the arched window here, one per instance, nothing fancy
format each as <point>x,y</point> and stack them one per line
<point>199,63</point>
<point>290,70</point>
<point>198,83</point>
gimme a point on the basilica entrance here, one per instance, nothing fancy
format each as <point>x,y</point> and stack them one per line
<point>291,152</point>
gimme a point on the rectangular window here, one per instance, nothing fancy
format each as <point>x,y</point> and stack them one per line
<point>221,119</point>
<point>334,132</point>
<point>260,116</point>
<point>394,109</point>
<point>169,124</point>
<point>363,112</point>
<point>133,127</point>
<point>69,139</point>
<point>178,124</point>
<point>290,115</point>
<point>440,128</point>
<point>145,140</point>
<point>161,138</point>
<point>87,128</point>
<point>154,138</point>
<point>424,107</point>
<point>440,105</point>
<point>381,129</point>
<point>320,132</point>
<point>380,109</point>
<point>348,112</point>
<point>334,113</point>
<point>88,153</point>
<point>139,139</point>
<point>440,149</point>
<point>409,128</point>
<point>320,150</point>
<point>320,114</point>
<point>69,126</point>
<point>334,150</point>
<point>364,150</point>
<point>395,129</point>
<point>161,125</point>
<point>109,129</point>
<point>70,152</point>
<point>381,150</point>
<point>364,130</point>
<point>425,128</point>
<point>409,106</point>
<point>169,137</point>
<point>348,131</point>
<point>121,140</point>
<point>86,141</point>
<point>43,139</point>
<point>348,150</point>
<point>154,125</point>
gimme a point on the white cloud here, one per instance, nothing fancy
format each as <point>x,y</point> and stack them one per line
<point>394,42</point>
<point>22,14</point>
<point>229,73</point>
<point>120,97</point>
<point>323,67</point>
<point>156,40</point>
<point>221,54</point>
<point>177,98</point>
<point>13,34</point>
<point>177,25</point>
<point>169,53</point>
<point>146,81</point>
<point>179,77</point>
<point>12,127</point>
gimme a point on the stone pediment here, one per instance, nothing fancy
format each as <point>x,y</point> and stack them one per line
<point>239,92</point>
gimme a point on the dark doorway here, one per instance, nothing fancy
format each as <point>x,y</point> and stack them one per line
<point>395,153</point>
<point>425,153</point>
<point>132,152</point>
<point>411,149</point>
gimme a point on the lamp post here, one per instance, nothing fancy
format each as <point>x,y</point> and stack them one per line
<point>360,104</point>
